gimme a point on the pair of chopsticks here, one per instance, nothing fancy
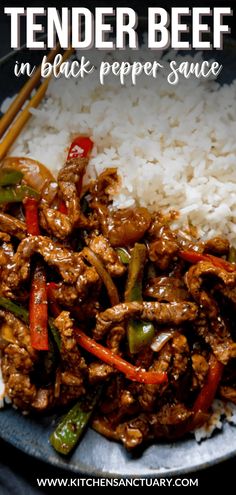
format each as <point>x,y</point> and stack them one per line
<point>15,110</point>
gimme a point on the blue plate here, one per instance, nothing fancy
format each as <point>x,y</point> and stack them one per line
<point>97,456</point>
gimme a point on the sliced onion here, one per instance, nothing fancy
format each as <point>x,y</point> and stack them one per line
<point>160,340</point>
<point>95,261</point>
<point>36,175</point>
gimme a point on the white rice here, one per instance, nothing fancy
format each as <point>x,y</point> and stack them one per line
<point>174,147</point>
<point>220,411</point>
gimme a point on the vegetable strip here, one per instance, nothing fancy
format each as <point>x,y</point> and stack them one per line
<point>31,216</point>
<point>132,373</point>
<point>9,176</point>
<point>22,313</point>
<point>81,146</point>
<point>94,260</point>
<point>16,194</point>
<point>38,307</point>
<point>38,312</point>
<point>51,286</point>
<point>140,333</point>
<point>208,391</point>
<point>194,257</point>
<point>232,255</point>
<point>15,309</point>
<point>124,255</point>
<point>133,290</point>
<point>71,427</point>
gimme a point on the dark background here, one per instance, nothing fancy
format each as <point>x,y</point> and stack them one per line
<point>18,472</point>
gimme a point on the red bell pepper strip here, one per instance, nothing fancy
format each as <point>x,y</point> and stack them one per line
<point>55,308</point>
<point>80,147</point>
<point>31,216</point>
<point>105,355</point>
<point>38,309</point>
<point>62,207</point>
<point>195,257</point>
<point>207,393</point>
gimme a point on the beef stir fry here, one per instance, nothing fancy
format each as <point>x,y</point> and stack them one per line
<point>114,314</point>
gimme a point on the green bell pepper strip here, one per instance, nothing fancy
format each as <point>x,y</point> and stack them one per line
<point>140,333</point>
<point>123,255</point>
<point>54,333</point>
<point>232,255</point>
<point>72,425</point>
<point>16,194</point>
<point>133,291</point>
<point>9,176</point>
<point>15,309</point>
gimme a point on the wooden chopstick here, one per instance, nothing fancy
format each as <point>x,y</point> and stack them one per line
<point>24,93</point>
<point>25,114</point>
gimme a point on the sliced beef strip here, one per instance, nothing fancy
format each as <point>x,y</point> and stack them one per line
<point>148,394</point>
<point>101,246</point>
<point>228,292</point>
<point>5,237</point>
<point>200,369</point>
<point>127,226</point>
<point>68,263</point>
<point>170,421</point>
<point>99,372</point>
<point>55,222</point>
<point>20,332</point>
<point>134,432</point>
<point>70,353</point>
<point>194,280</point>
<point>163,313</point>
<point>162,252</point>
<point>217,335</point>
<point>70,179</point>
<point>160,225</point>
<point>84,295</point>
<point>73,367</point>
<point>115,338</point>
<point>103,188</point>
<point>211,326</point>
<point>166,289</point>
<point>218,246</point>
<point>102,426</point>
<point>18,362</point>
<point>12,226</point>
<point>163,245</point>
<point>180,352</point>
